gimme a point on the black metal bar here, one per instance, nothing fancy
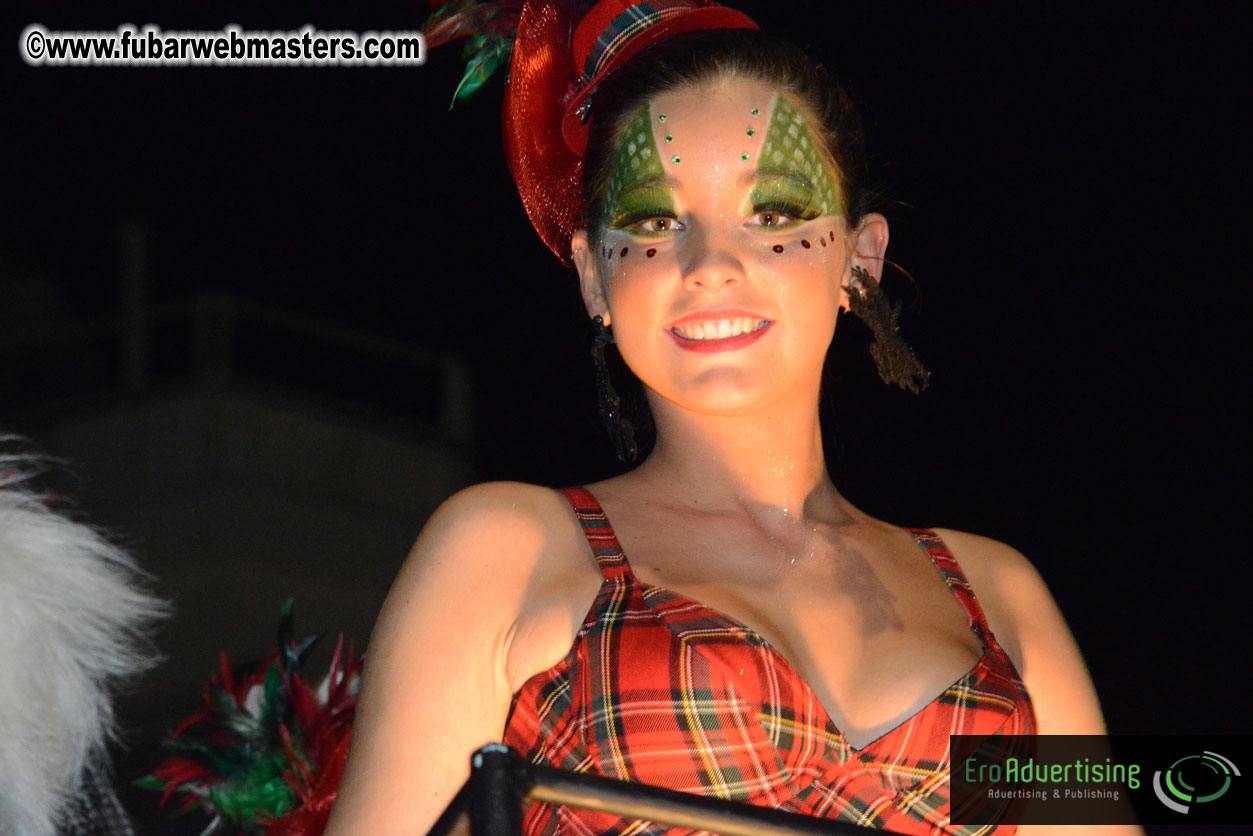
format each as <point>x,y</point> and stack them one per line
<point>500,779</point>
<point>678,809</point>
<point>497,783</point>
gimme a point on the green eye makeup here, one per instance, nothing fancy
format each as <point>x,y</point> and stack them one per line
<point>793,171</point>
<point>786,194</point>
<point>633,192</point>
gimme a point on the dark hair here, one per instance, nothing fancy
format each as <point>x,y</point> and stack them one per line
<point>700,57</point>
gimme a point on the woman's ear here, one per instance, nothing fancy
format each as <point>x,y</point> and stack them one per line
<point>590,282</point>
<point>870,244</point>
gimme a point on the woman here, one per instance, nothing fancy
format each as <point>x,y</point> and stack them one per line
<point>740,629</point>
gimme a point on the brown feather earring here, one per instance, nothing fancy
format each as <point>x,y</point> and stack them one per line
<point>892,355</point>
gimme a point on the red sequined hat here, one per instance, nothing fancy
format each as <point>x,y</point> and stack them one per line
<point>554,73</point>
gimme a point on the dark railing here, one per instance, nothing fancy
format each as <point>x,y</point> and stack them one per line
<point>500,781</point>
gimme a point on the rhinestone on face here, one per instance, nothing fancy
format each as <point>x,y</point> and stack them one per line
<point>661,117</point>
<point>744,156</point>
<point>675,159</point>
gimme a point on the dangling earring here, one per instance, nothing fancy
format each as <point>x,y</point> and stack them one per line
<point>619,428</point>
<point>892,355</point>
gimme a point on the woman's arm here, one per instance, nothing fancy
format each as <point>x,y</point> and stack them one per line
<point>1029,626</point>
<point>436,681</point>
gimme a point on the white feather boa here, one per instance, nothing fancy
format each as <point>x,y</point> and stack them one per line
<point>73,616</point>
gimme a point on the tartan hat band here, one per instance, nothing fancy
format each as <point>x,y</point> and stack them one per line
<point>625,26</point>
<point>613,31</point>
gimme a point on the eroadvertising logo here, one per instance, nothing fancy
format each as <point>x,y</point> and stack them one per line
<point>1194,779</point>
<point>1076,780</point>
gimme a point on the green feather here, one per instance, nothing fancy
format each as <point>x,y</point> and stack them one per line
<point>484,54</point>
<point>261,789</point>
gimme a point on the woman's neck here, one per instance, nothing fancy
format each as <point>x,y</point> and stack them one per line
<point>769,463</point>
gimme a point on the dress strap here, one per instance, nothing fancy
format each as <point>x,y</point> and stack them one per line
<point>955,578</point>
<point>599,533</point>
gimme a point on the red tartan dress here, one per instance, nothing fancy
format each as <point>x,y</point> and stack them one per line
<point>660,689</point>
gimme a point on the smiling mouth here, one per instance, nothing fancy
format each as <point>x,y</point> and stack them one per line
<point>718,329</point>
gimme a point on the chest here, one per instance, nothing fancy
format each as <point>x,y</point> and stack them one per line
<point>663,689</point>
<point>864,625</point>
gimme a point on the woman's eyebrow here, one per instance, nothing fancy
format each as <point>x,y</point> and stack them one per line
<point>648,184</point>
<point>768,173</point>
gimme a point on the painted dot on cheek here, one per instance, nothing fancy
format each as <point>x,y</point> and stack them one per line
<point>651,252</point>
<point>778,248</point>
<point>669,138</point>
<point>756,112</point>
<point>833,236</point>
<point>804,243</point>
<point>661,118</point>
<point>623,253</point>
<point>744,156</point>
<point>751,132</point>
<point>675,159</point>
<point>822,241</point>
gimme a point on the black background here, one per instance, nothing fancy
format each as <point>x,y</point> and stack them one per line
<point>1070,197</point>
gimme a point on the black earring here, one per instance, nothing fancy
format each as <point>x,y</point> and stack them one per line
<point>619,428</point>
<point>892,355</point>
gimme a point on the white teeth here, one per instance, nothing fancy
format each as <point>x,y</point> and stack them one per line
<point>717,329</point>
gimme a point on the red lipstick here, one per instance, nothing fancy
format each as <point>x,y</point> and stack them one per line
<point>725,344</point>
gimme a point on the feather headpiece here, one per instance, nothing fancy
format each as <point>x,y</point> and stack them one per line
<point>561,51</point>
<point>489,30</point>
<point>266,753</point>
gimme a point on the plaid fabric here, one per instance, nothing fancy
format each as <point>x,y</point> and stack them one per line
<point>626,26</point>
<point>658,688</point>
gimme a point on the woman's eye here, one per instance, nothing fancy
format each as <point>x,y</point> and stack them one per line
<point>656,226</point>
<point>771,219</point>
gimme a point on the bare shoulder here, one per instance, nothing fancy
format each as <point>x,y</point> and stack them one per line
<point>1030,627</point>
<point>516,555</point>
<point>985,556</point>
<point>1003,579</point>
<point>515,515</point>
<point>488,583</point>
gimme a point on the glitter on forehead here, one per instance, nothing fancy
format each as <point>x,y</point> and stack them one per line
<point>635,159</point>
<point>791,147</point>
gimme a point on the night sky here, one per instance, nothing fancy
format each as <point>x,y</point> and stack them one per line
<point>1066,184</point>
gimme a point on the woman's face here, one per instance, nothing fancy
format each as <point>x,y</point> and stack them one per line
<point>723,249</point>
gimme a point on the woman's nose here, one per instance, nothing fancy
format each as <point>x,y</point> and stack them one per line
<point>711,264</point>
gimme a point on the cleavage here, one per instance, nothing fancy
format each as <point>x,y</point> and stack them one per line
<point>921,660</point>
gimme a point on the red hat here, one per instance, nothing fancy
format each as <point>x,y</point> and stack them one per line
<point>556,67</point>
